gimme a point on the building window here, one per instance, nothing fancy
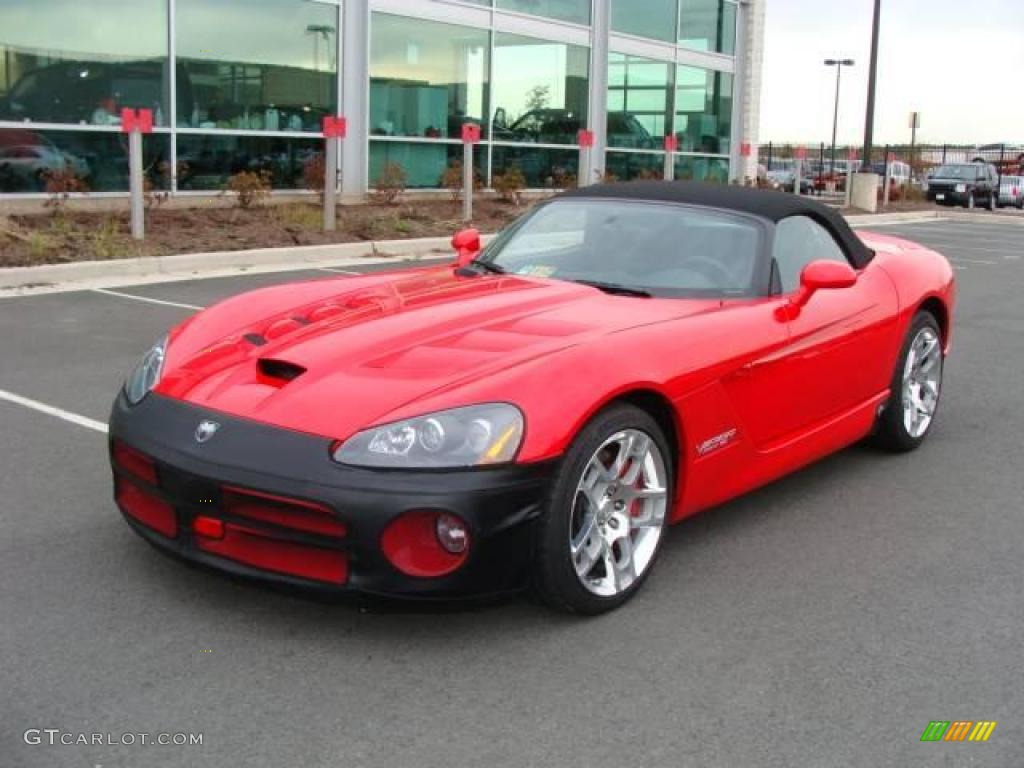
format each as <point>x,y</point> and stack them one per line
<point>627,166</point>
<point>542,167</point>
<point>655,19</point>
<point>703,120</point>
<point>426,78</point>
<point>423,162</point>
<point>540,90</point>
<point>67,61</point>
<point>708,25</point>
<point>260,65</point>
<point>576,11</point>
<point>695,168</point>
<point>639,102</point>
<point>207,161</point>
<point>97,158</point>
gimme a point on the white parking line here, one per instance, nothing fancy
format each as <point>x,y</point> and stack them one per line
<point>60,413</point>
<point>340,271</point>
<point>148,300</point>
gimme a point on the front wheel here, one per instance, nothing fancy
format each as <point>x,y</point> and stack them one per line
<point>607,513</point>
<point>914,391</point>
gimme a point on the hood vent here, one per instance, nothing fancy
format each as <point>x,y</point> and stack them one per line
<point>279,372</point>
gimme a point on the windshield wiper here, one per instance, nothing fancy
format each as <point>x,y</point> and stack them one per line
<point>488,266</point>
<point>616,289</point>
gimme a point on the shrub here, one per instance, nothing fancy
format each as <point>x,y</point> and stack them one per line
<point>251,187</point>
<point>451,180</point>
<point>60,185</point>
<point>313,174</point>
<point>390,184</point>
<point>650,174</point>
<point>509,184</point>
<point>564,180</point>
<point>605,177</point>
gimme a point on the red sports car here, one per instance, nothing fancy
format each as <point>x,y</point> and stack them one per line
<point>538,412</point>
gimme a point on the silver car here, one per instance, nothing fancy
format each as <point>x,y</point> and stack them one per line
<point>1011,192</point>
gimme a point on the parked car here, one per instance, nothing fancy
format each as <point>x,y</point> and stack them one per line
<point>31,162</point>
<point>536,413</point>
<point>966,184</point>
<point>1011,192</point>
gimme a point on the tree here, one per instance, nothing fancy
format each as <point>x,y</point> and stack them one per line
<point>538,97</point>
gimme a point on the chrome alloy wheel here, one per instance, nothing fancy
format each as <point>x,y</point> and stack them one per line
<point>618,513</point>
<point>922,378</point>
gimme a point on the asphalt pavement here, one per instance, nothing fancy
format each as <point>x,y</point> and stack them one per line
<point>822,621</point>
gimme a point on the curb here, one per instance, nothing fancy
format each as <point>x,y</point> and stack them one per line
<point>82,275</point>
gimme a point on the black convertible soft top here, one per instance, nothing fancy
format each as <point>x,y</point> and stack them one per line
<point>767,204</point>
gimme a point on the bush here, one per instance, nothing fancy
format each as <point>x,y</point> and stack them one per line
<point>313,174</point>
<point>251,187</point>
<point>650,174</point>
<point>451,180</point>
<point>390,184</point>
<point>60,185</point>
<point>605,177</point>
<point>564,180</point>
<point>509,184</point>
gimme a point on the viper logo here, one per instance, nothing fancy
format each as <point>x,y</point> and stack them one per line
<point>206,430</point>
<point>716,442</point>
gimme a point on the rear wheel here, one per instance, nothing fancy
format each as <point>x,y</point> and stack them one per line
<point>915,388</point>
<point>607,514</point>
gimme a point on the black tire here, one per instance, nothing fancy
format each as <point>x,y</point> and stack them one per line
<point>555,579</point>
<point>890,431</point>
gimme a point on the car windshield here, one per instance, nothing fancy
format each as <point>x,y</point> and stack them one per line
<point>956,172</point>
<point>632,247</point>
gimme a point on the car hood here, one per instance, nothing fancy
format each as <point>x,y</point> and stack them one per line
<point>364,347</point>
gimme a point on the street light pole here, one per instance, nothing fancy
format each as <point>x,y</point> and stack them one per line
<point>838,64</point>
<point>869,122</point>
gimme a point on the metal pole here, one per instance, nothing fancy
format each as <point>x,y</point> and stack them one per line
<point>670,166</point>
<point>769,155</point>
<point>331,183</point>
<point>885,179</point>
<point>1002,157</point>
<point>798,173</point>
<point>869,122</point>
<point>135,184</point>
<point>835,117</point>
<point>467,181</point>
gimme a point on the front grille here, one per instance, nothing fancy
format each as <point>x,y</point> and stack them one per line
<point>290,536</point>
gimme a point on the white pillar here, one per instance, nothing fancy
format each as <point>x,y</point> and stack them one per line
<point>598,122</point>
<point>135,184</point>
<point>747,87</point>
<point>355,98</point>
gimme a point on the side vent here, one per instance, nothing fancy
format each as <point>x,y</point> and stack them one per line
<point>279,372</point>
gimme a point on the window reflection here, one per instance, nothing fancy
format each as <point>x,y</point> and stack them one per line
<point>655,19</point>
<point>627,166</point>
<point>63,61</point>
<point>543,168</point>
<point>540,90</point>
<point>703,121</point>
<point>577,11</point>
<point>423,163</point>
<point>708,25</point>
<point>426,78</point>
<point>692,168</point>
<point>260,65</point>
<point>639,101</point>
<point>100,159</point>
<point>206,162</point>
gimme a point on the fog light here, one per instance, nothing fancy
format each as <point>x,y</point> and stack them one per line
<point>452,534</point>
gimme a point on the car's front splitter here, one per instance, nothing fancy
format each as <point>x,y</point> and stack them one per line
<point>319,525</point>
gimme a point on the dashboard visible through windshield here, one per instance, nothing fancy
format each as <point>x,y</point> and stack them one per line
<point>655,249</point>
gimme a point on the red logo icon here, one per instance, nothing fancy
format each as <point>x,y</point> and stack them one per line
<point>470,133</point>
<point>140,120</point>
<point>585,138</point>
<point>335,127</point>
<point>671,143</point>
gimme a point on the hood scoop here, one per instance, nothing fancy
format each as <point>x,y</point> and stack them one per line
<point>277,373</point>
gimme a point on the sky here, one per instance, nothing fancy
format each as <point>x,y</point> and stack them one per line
<point>980,101</point>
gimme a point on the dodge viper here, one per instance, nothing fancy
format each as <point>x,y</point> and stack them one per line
<point>535,413</point>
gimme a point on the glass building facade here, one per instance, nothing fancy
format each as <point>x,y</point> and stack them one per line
<point>244,84</point>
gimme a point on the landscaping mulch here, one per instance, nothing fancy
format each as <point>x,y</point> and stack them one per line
<point>65,235</point>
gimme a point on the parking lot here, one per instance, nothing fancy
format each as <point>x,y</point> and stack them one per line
<point>822,621</point>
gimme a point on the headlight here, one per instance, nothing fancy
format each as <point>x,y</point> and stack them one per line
<point>146,373</point>
<point>462,437</point>
<point>961,187</point>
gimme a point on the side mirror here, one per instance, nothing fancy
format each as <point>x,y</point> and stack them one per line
<point>466,243</point>
<point>822,276</point>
